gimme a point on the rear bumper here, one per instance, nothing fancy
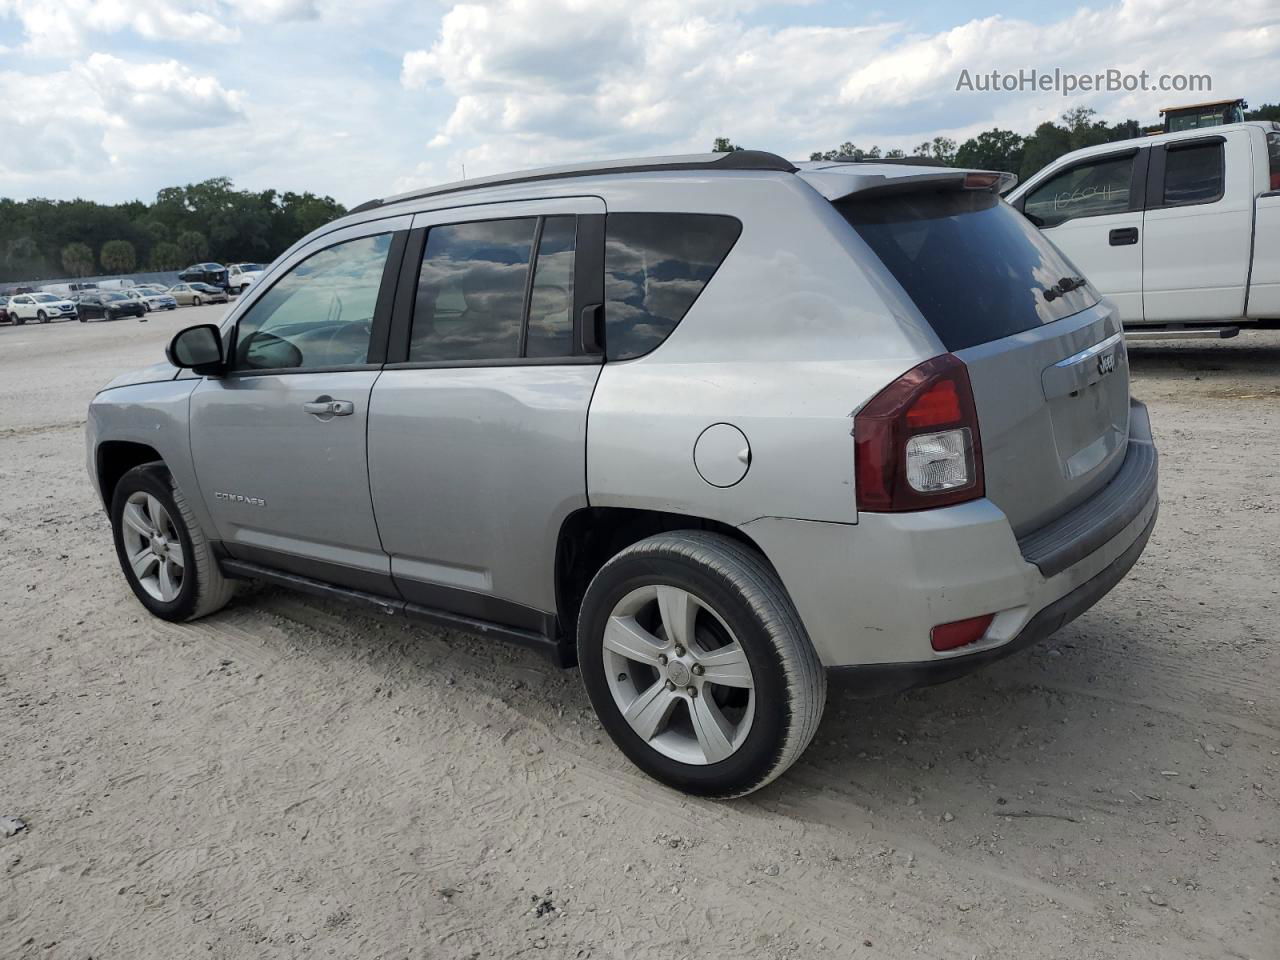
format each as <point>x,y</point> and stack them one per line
<point>869,593</point>
<point>883,678</point>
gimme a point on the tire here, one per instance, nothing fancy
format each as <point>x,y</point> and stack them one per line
<point>42,317</point>
<point>81,317</point>
<point>745,732</point>
<point>146,307</point>
<point>19,321</point>
<point>198,587</point>
<point>195,301</point>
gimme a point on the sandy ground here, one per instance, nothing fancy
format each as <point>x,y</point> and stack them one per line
<point>291,779</point>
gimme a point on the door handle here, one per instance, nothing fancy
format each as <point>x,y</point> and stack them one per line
<point>327,407</point>
<point>1123,237</point>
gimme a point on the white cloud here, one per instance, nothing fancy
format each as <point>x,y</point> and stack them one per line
<point>56,26</point>
<point>163,95</point>
<point>102,114</point>
<point>303,94</point>
<point>552,80</point>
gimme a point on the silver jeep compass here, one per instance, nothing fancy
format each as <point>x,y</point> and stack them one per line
<point>707,426</point>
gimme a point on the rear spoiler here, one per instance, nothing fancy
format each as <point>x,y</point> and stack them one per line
<point>841,181</point>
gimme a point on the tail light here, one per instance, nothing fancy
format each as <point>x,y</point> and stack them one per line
<point>916,443</point>
<point>960,633</point>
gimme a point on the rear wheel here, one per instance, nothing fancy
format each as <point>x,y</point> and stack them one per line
<point>698,665</point>
<point>162,550</point>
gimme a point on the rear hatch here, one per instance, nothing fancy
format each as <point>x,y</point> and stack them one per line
<point>1046,357</point>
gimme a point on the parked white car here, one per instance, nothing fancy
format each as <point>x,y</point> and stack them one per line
<point>43,307</point>
<point>151,299</point>
<point>1176,229</point>
<point>241,276</point>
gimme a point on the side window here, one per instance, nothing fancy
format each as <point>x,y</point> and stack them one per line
<point>320,313</point>
<point>655,265</point>
<point>471,291</point>
<point>1273,157</point>
<point>1088,190</point>
<point>551,299</point>
<point>1193,174</point>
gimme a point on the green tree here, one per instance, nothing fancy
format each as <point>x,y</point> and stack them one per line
<point>1268,111</point>
<point>942,150</point>
<point>118,256</point>
<point>993,150</point>
<point>722,145</point>
<point>166,256</point>
<point>77,259</point>
<point>192,245</point>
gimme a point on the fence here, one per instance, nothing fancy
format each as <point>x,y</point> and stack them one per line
<point>167,277</point>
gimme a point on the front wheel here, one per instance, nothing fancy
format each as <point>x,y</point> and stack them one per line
<point>163,552</point>
<point>42,317</point>
<point>195,301</point>
<point>697,664</point>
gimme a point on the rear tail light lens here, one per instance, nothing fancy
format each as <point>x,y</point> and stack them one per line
<point>916,443</point>
<point>961,633</point>
<point>940,461</point>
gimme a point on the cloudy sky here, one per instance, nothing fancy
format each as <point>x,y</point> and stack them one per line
<point>114,99</point>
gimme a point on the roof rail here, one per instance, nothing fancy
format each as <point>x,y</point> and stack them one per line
<point>908,161</point>
<point>737,160</point>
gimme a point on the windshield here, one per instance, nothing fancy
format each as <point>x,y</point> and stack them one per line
<point>974,267</point>
<point>251,267</point>
<point>44,298</point>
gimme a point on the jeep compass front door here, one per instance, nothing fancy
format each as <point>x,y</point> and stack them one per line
<point>279,442</point>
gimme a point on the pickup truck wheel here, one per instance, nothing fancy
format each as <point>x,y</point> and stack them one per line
<point>162,550</point>
<point>42,317</point>
<point>697,663</point>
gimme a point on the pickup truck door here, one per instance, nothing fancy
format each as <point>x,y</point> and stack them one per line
<point>478,424</point>
<point>1198,229</point>
<point>1092,211</point>
<point>1264,278</point>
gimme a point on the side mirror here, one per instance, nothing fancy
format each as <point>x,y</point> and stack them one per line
<point>197,348</point>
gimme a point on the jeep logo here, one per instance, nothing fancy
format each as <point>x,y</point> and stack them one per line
<point>1106,363</point>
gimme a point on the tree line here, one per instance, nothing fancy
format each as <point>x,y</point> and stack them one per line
<point>42,239</point>
<point>1006,150</point>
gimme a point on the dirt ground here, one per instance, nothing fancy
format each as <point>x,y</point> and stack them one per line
<point>291,779</point>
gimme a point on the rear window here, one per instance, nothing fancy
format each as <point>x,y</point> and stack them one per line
<point>975,267</point>
<point>655,265</point>
<point>1193,174</point>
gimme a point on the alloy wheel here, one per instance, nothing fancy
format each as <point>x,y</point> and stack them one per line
<point>678,675</point>
<point>153,546</point>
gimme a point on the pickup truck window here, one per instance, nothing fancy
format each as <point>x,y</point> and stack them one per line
<point>1193,174</point>
<point>1273,154</point>
<point>1089,189</point>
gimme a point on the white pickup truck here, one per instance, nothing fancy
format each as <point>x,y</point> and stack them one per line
<point>1179,230</point>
